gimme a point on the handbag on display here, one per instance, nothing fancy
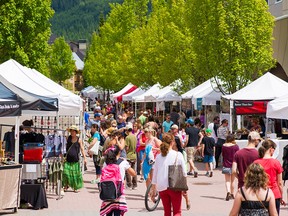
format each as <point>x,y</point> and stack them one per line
<point>95,148</point>
<point>177,180</point>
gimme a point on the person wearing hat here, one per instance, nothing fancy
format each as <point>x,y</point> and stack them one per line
<point>245,156</point>
<point>193,141</point>
<point>72,176</point>
<point>208,151</point>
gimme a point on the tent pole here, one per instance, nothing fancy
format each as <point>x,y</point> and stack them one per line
<point>16,135</point>
<point>230,116</point>
<point>266,126</point>
<point>192,107</point>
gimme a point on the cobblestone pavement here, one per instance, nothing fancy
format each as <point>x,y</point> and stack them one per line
<point>206,195</point>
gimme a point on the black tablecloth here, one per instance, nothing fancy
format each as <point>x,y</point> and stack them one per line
<point>35,195</point>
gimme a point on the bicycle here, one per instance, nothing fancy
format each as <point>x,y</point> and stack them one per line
<point>150,204</point>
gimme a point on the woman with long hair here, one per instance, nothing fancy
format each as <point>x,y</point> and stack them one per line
<point>274,170</point>
<point>228,151</point>
<point>255,198</point>
<point>72,176</point>
<point>170,198</point>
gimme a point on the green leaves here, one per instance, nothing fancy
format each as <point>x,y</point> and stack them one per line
<point>190,40</point>
<point>61,64</point>
<point>24,32</point>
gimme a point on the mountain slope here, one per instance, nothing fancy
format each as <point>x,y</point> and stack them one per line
<point>77,19</point>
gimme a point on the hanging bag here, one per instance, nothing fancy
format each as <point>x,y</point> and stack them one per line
<point>176,179</point>
<point>95,148</point>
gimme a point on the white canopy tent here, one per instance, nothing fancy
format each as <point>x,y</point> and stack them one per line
<point>278,108</point>
<point>169,96</point>
<point>122,91</point>
<point>266,87</point>
<point>129,96</point>
<point>141,98</point>
<point>34,82</point>
<point>209,96</point>
<point>154,95</point>
<point>197,89</point>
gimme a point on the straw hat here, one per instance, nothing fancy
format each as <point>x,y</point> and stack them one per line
<point>110,130</point>
<point>75,128</point>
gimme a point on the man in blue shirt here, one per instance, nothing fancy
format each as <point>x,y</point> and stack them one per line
<point>167,124</point>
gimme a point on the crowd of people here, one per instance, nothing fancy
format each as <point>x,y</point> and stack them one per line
<point>149,147</point>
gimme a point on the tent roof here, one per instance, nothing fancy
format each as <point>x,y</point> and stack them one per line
<point>197,89</point>
<point>266,87</point>
<point>209,96</point>
<point>129,97</point>
<point>36,83</point>
<point>122,91</point>
<point>141,98</point>
<point>278,108</point>
<point>154,95</point>
<point>29,101</point>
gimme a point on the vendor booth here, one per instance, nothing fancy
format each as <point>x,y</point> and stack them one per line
<point>129,96</point>
<point>126,90</point>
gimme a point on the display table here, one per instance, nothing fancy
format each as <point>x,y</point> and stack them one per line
<point>35,195</point>
<point>278,154</point>
<point>10,176</point>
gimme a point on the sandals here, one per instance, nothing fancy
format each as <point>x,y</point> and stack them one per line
<point>188,205</point>
<point>66,189</point>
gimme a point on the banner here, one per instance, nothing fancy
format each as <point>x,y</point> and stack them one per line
<point>250,107</point>
<point>10,108</point>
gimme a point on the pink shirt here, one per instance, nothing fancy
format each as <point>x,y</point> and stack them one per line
<point>272,167</point>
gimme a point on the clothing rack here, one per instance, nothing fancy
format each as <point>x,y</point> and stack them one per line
<point>4,125</point>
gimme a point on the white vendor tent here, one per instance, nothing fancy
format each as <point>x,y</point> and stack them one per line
<point>169,96</point>
<point>209,96</point>
<point>129,97</point>
<point>278,108</point>
<point>205,91</point>
<point>34,82</point>
<point>266,87</point>
<point>154,95</point>
<point>141,98</point>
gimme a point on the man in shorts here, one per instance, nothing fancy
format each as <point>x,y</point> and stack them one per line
<point>193,141</point>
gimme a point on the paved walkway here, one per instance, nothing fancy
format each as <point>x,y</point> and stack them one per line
<point>206,195</point>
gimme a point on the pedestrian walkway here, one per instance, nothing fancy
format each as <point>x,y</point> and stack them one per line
<point>207,196</point>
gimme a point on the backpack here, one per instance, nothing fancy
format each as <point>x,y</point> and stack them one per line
<point>102,139</point>
<point>111,186</point>
<point>285,164</point>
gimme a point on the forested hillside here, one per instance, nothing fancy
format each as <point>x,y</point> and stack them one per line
<point>77,19</point>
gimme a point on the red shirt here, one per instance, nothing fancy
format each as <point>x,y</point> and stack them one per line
<point>244,158</point>
<point>143,139</point>
<point>272,167</point>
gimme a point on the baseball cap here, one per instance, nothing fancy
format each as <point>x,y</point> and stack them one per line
<point>145,112</point>
<point>190,121</point>
<point>97,115</point>
<point>174,126</point>
<point>208,130</point>
<point>129,126</point>
<point>254,135</point>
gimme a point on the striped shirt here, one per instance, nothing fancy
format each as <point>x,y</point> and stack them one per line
<point>222,132</point>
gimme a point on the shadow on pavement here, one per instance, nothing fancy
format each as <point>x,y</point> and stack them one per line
<point>213,197</point>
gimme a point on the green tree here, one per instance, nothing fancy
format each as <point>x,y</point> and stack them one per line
<point>24,32</point>
<point>103,65</point>
<point>61,63</point>
<point>231,40</point>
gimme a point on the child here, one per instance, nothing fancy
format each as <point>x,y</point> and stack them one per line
<point>208,150</point>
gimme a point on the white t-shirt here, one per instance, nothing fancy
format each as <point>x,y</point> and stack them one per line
<point>211,127</point>
<point>160,168</point>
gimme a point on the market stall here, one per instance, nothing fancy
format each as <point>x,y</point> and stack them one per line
<point>253,98</point>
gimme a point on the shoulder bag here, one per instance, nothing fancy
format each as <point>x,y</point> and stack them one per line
<point>176,179</point>
<point>95,148</point>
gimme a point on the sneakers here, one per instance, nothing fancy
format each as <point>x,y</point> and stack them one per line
<point>95,181</point>
<point>190,173</point>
